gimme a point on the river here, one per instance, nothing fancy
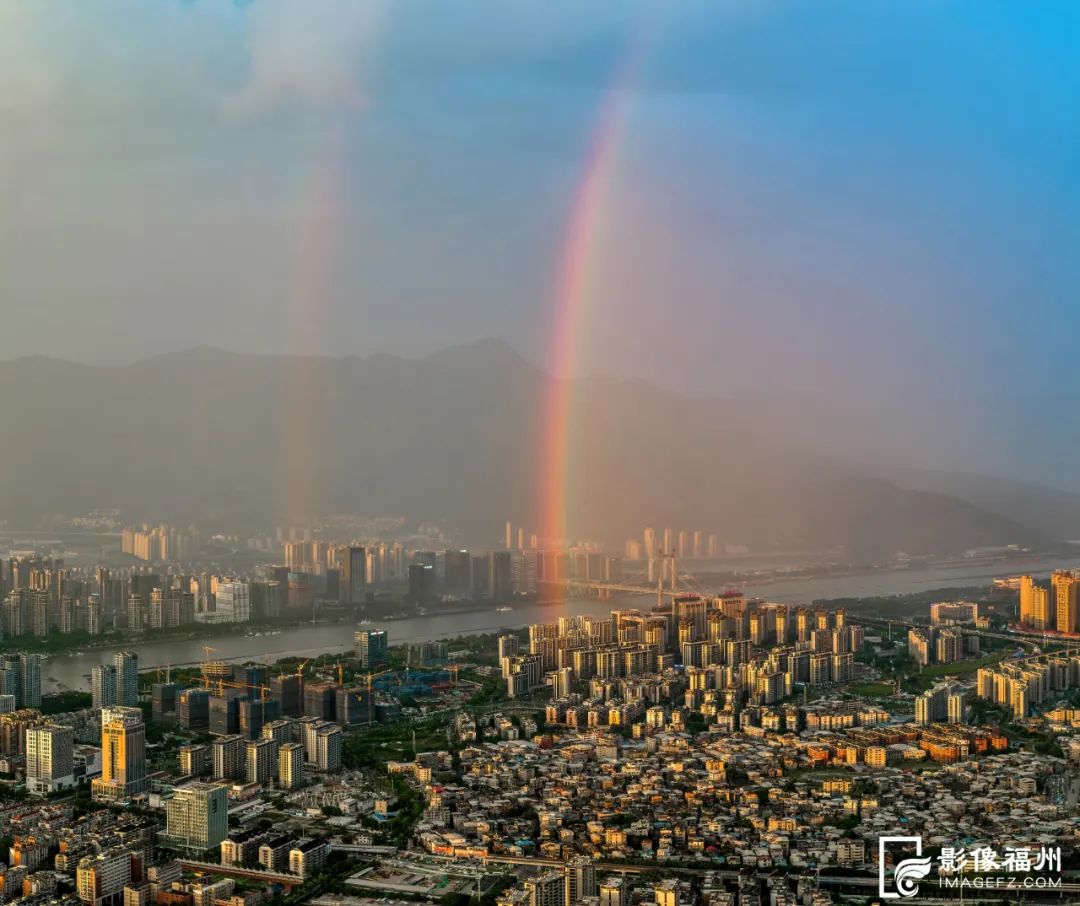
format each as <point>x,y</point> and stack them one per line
<point>72,671</point>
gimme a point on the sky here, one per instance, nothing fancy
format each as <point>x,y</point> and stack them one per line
<point>876,200</point>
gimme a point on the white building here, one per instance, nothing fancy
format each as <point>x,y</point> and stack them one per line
<point>197,816</point>
<point>233,603</point>
<point>49,759</point>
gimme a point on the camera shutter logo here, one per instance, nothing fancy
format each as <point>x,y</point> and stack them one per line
<point>908,872</point>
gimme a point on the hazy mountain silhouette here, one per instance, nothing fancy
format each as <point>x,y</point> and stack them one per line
<point>454,436</point>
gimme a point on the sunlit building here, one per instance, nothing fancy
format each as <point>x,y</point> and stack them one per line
<point>123,758</point>
<point>1066,588</point>
<point>1036,605</point>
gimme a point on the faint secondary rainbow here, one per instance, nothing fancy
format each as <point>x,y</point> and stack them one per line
<point>571,297</point>
<point>309,328</point>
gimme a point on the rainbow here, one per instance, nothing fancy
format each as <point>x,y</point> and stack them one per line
<point>309,328</point>
<point>571,297</point>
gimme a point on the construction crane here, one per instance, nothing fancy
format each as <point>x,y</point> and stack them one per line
<point>264,693</point>
<point>211,668</point>
<point>371,677</point>
<point>231,684</point>
<point>219,684</point>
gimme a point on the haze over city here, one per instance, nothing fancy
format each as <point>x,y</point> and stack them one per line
<point>852,226</point>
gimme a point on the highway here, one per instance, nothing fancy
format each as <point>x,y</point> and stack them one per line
<point>232,871</point>
<point>734,874</point>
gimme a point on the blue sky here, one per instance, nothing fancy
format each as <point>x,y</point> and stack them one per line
<point>865,198</point>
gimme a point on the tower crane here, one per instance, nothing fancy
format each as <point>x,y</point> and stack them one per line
<point>371,692</point>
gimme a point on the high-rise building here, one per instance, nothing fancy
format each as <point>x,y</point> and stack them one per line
<point>614,891</point>
<point>101,879</point>
<point>457,575</point>
<point>29,666</point>
<point>228,757</point>
<point>1036,606</point>
<point>421,583</point>
<point>164,702</point>
<point>127,678</point>
<point>195,760</point>
<point>957,707</point>
<point>224,712</point>
<point>103,686</point>
<point>49,759</point>
<point>290,767</point>
<point>372,647</point>
<point>307,857</point>
<point>193,709</point>
<point>545,889</point>
<point>232,603</point>
<point>354,574</point>
<point>287,690</point>
<point>501,577</point>
<point>649,543</point>
<point>260,760</point>
<point>123,758</point>
<point>1066,587</point>
<point>933,705</point>
<point>197,816</point>
<point>320,700</point>
<point>328,744</point>
<point>580,880</point>
<point>278,731</point>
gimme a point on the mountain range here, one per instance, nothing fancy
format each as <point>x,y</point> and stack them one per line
<point>240,440</point>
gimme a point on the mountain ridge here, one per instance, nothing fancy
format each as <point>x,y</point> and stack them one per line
<point>454,435</point>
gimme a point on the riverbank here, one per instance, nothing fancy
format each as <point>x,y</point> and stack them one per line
<point>71,671</point>
<point>82,642</point>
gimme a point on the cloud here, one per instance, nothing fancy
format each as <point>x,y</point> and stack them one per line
<point>310,54</point>
<point>116,58</point>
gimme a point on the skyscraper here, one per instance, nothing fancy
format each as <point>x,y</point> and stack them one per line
<point>422,582</point>
<point>456,573</point>
<point>1036,606</point>
<point>501,578</point>
<point>127,678</point>
<point>1066,586</point>
<point>123,758</point>
<point>103,686</point>
<point>372,647</point>
<point>354,576</point>
<point>30,679</point>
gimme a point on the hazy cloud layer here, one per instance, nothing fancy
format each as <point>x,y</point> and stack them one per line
<point>840,197</point>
